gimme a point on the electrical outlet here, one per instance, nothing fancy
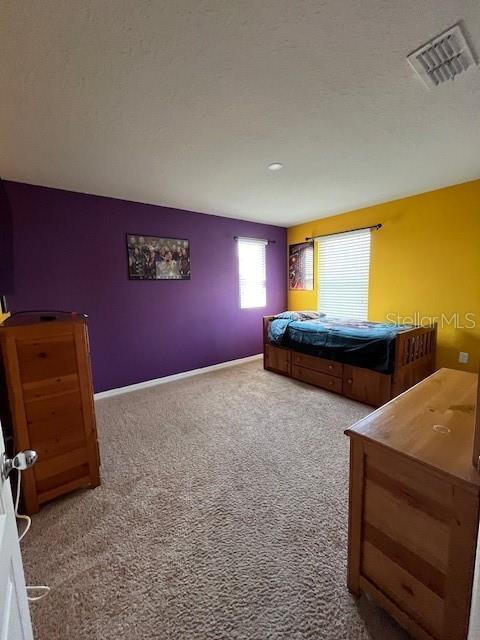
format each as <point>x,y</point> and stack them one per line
<point>463,357</point>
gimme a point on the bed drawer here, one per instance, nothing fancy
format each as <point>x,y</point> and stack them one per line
<point>317,378</point>
<point>318,364</point>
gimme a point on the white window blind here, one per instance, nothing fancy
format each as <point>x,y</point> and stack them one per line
<point>343,274</point>
<point>252,272</point>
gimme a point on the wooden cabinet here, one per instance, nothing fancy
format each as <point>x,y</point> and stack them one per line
<point>277,359</point>
<point>48,381</point>
<point>414,506</point>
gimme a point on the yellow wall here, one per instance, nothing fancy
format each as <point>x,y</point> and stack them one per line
<point>425,259</point>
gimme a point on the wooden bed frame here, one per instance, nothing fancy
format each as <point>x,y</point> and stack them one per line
<point>414,360</point>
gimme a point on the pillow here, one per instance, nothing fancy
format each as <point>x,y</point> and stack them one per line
<point>311,315</point>
<point>299,315</point>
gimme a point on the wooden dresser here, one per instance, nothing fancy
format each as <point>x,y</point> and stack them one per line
<point>47,380</point>
<point>414,506</point>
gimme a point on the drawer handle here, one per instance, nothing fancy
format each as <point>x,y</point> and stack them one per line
<point>349,381</point>
<point>330,366</point>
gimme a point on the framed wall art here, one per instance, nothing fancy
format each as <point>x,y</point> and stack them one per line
<point>300,266</point>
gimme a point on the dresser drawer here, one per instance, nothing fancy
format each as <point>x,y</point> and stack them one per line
<point>318,364</point>
<point>410,594</point>
<point>317,378</point>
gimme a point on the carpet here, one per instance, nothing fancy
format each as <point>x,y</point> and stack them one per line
<point>222,515</point>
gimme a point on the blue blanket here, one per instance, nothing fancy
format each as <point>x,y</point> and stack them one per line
<point>360,343</point>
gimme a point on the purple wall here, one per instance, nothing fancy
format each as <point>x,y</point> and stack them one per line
<point>6,243</point>
<point>70,253</point>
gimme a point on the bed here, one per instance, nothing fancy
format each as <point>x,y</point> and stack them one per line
<point>367,361</point>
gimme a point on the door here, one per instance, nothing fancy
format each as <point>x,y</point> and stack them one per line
<point>15,621</point>
<point>474,629</point>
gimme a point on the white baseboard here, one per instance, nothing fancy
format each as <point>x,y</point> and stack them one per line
<point>176,376</point>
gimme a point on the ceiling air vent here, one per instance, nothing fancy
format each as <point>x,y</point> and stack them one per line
<point>443,58</point>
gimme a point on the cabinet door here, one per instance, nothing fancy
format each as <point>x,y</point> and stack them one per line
<point>366,386</point>
<point>277,359</point>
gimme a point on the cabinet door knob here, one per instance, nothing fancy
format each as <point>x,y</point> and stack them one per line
<point>349,381</point>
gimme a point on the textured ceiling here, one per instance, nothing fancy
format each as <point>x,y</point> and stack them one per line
<point>185,102</point>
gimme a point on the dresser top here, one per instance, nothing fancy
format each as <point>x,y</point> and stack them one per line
<point>432,423</point>
<point>42,317</point>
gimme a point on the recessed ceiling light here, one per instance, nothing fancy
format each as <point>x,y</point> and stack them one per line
<point>275,166</point>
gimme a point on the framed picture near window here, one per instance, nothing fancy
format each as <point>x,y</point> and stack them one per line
<point>300,266</point>
<point>155,258</point>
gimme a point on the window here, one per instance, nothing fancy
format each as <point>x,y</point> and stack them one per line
<point>252,272</point>
<point>343,273</point>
